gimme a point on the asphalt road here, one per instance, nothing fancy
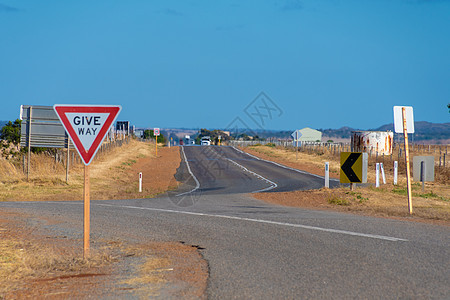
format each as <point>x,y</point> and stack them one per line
<point>261,251</point>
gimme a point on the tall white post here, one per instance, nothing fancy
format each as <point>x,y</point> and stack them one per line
<point>382,173</point>
<point>327,174</point>
<point>140,182</point>
<point>377,175</point>
<point>395,172</point>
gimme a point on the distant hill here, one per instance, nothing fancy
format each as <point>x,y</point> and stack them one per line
<point>423,131</point>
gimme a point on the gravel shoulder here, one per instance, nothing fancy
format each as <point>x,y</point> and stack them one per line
<point>36,262</point>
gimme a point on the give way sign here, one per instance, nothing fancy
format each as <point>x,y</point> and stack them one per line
<point>87,126</point>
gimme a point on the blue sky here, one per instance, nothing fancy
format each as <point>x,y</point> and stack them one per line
<point>322,63</point>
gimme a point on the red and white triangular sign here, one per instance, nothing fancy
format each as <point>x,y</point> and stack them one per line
<point>87,125</point>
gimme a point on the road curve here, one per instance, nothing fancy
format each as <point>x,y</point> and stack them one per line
<point>227,170</point>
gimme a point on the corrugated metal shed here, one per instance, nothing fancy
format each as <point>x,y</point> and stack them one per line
<point>309,135</point>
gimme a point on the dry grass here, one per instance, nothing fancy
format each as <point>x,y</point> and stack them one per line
<point>114,175</point>
<point>26,258</point>
<point>388,200</point>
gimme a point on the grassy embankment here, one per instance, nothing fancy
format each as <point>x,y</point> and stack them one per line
<point>114,175</point>
<point>432,204</point>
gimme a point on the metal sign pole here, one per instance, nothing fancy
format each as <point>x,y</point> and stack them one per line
<point>156,145</point>
<point>422,175</point>
<point>68,158</point>
<point>87,207</point>
<point>408,174</point>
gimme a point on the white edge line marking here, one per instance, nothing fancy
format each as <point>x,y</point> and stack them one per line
<point>366,235</point>
<point>273,184</point>
<point>190,172</point>
<point>330,230</point>
<point>283,166</point>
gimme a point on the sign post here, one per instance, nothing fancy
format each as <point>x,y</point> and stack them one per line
<point>408,172</point>
<point>404,123</point>
<point>296,135</point>
<point>87,211</point>
<point>87,127</point>
<point>156,133</point>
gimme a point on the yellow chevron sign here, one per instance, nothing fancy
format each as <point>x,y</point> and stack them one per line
<point>353,167</point>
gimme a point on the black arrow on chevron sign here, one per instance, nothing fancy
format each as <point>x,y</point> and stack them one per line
<point>347,167</point>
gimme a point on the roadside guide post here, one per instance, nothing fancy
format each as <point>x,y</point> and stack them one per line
<point>377,175</point>
<point>87,127</point>
<point>220,137</point>
<point>383,175</point>
<point>395,172</point>
<point>327,174</point>
<point>140,182</point>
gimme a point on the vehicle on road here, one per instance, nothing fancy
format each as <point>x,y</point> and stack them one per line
<point>205,141</point>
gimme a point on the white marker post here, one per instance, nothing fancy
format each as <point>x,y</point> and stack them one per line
<point>382,173</point>
<point>395,172</point>
<point>140,182</point>
<point>87,127</point>
<point>377,175</point>
<point>327,174</point>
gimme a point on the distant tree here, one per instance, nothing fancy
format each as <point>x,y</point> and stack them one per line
<point>11,132</point>
<point>147,134</point>
<point>150,134</point>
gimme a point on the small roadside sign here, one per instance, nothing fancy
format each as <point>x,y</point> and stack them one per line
<point>156,132</point>
<point>296,135</point>
<point>87,126</point>
<point>398,119</point>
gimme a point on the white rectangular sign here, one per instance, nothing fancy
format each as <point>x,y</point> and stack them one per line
<point>398,119</point>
